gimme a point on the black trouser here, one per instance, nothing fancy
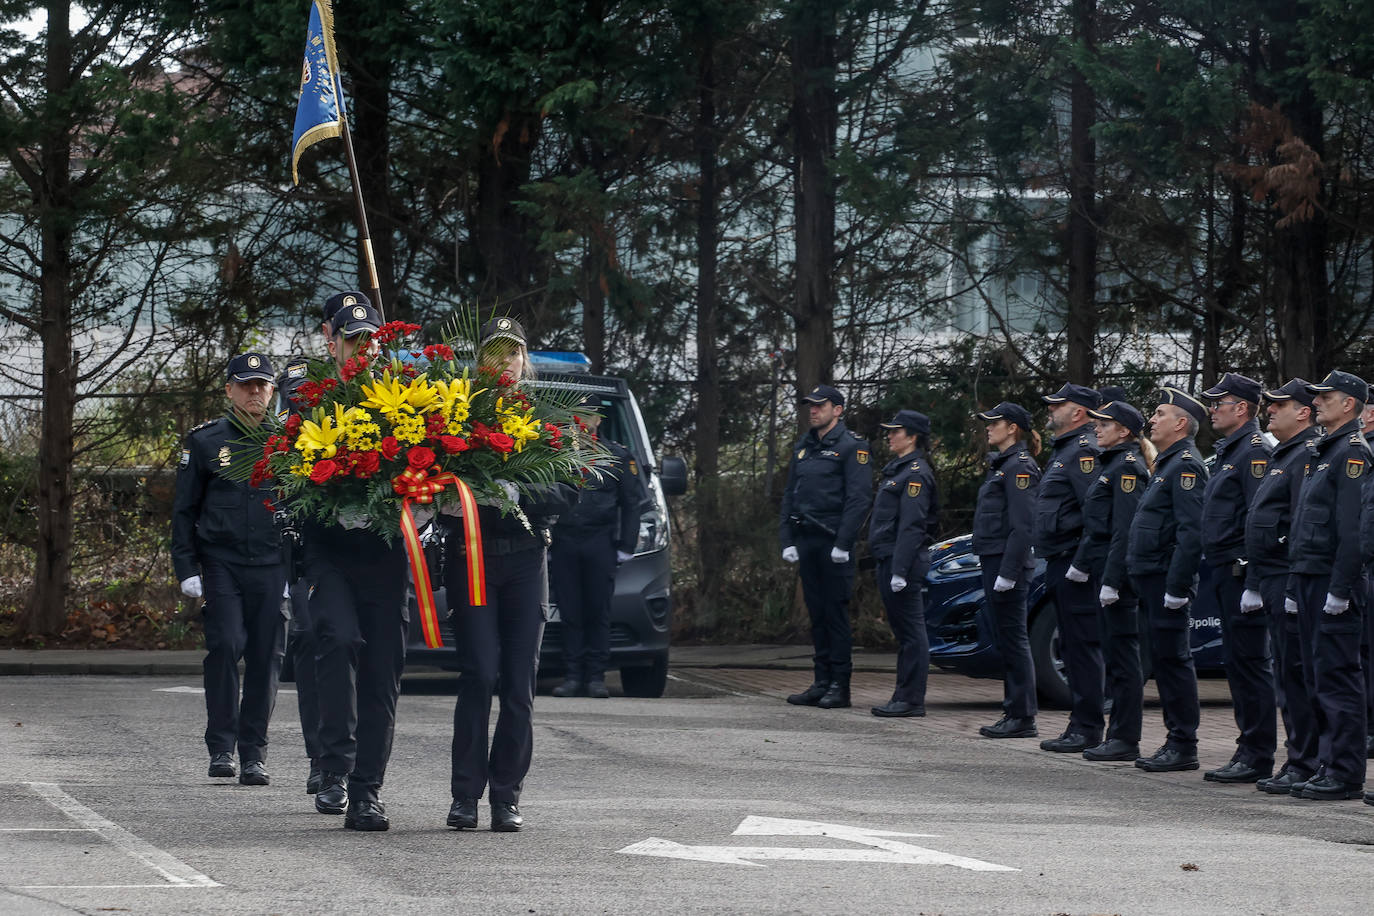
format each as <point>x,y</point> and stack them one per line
<point>358,611</point>
<point>1249,670</point>
<point>1367,653</point>
<point>1008,611</point>
<point>1331,666</point>
<point>243,620</point>
<point>1120,627</point>
<point>1080,644</point>
<point>1290,685</point>
<point>1171,657</point>
<point>582,572</point>
<point>498,648</point>
<point>906,615</point>
<point>826,586</point>
<point>303,663</point>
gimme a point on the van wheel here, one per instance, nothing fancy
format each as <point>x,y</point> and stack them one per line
<point>646,680</point>
<point>1050,681</point>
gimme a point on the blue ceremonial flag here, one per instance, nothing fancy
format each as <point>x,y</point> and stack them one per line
<point>320,112</point>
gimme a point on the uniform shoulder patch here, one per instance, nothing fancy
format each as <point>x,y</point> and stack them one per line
<point>915,465</point>
<point>206,425</point>
<point>1256,439</point>
<point>1086,464</point>
<point>913,488</point>
<point>862,455</point>
<point>185,458</point>
<point>1130,457</point>
<point>1356,439</point>
<point>1187,480</point>
<point>1186,455</point>
<point>1022,481</point>
<point>634,467</point>
<point>1127,483</point>
<point>1354,467</point>
<point>1258,467</point>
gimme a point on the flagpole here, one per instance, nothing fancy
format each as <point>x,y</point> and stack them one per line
<point>364,236</point>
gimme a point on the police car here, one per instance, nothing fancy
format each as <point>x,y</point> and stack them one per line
<point>962,629</point>
<point>641,606</point>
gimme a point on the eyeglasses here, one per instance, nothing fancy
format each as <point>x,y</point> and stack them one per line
<point>1219,404</point>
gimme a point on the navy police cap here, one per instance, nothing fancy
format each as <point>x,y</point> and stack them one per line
<point>248,366</point>
<point>1292,390</point>
<point>502,328</point>
<point>1120,412</point>
<point>1012,413</point>
<point>1112,393</point>
<point>352,320</point>
<point>1078,394</point>
<point>910,420</point>
<point>339,300</point>
<point>1184,402</point>
<point>1236,385</point>
<point>1346,382</point>
<point>822,393</point>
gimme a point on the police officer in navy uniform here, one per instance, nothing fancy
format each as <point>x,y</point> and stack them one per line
<point>1326,586</point>
<point>359,619</point>
<point>1289,410</point>
<point>226,547</point>
<point>1242,461</point>
<point>1367,544</point>
<point>1003,524</point>
<point>590,542</point>
<point>1108,507</point>
<point>1163,553</point>
<point>823,505</point>
<point>903,525</point>
<point>1071,470</point>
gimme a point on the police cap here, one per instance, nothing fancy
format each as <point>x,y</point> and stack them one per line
<point>1184,402</point>
<point>248,366</point>
<point>912,421</point>
<point>1112,393</point>
<point>1012,413</point>
<point>1293,390</point>
<point>1346,382</point>
<point>1120,412</point>
<point>1078,394</point>
<point>352,320</point>
<point>504,327</point>
<point>339,300</point>
<point>1236,385</point>
<point>822,393</point>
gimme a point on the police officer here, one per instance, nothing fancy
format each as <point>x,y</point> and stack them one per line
<point>823,505</point>
<point>904,523</point>
<point>1071,470</point>
<point>1326,587</point>
<point>1002,529</point>
<point>590,542</point>
<point>1163,552</point>
<point>1289,410</point>
<point>1242,461</point>
<point>358,615</point>
<point>1367,542</point>
<point>1108,507</point>
<point>225,547</point>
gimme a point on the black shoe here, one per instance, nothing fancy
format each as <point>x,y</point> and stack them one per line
<point>332,796</point>
<point>462,815</point>
<point>222,765</point>
<point>570,688</point>
<point>811,695</point>
<point>597,690</point>
<point>312,782</point>
<point>1329,788</point>
<point>505,817</point>
<point>898,708</point>
<point>1369,798</point>
<point>836,696</point>
<point>1369,747</point>
<point>1068,743</point>
<point>254,774</point>
<point>1281,783</point>
<point>1168,760</point>
<point>1238,771</point>
<point>1113,749</point>
<point>1008,727</point>
<point>366,814</point>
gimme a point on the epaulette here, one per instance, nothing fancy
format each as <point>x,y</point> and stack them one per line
<point>915,465</point>
<point>856,435</point>
<point>207,423</point>
<point>1356,439</point>
<point>1130,457</point>
<point>1186,455</point>
<point>1256,439</point>
<point>1083,441</point>
<point>1025,456</point>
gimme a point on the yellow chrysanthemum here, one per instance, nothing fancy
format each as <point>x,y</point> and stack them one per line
<point>521,427</point>
<point>408,429</point>
<point>319,438</point>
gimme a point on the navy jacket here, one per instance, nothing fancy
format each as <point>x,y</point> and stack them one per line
<point>1166,533</point>
<point>1241,464</point>
<point>1271,509</point>
<point>905,515</point>
<point>1005,515</point>
<point>1324,537</point>
<point>1108,510</point>
<point>611,498</point>
<point>1072,468</point>
<point>828,484</point>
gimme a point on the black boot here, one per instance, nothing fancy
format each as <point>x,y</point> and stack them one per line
<point>836,695</point>
<point>811,695</point>
<point>570,688</point>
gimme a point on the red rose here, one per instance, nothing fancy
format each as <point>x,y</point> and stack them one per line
<point>390,448</point>
<point>453,444</point>
<point>501,442</point>
<point>419,457</point>
<point>365,464</point>
<point>323,470</point>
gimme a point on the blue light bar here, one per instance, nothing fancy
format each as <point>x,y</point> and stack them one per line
<point>560,361</point>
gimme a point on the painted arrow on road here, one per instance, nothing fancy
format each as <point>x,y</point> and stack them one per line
<point>882,848</point>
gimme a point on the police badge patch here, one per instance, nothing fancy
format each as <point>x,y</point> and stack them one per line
<point>913,488</point>
<point>1257,468</point>
<point>185,457</point>
<point>1187,480</point>
<point>862,456</point>
<point>634,468</point>
<point>1022,481</point>
<point>1354,467</point>
<point>1127,483</point>
<point>224,456</point>
<point>1086,464</point>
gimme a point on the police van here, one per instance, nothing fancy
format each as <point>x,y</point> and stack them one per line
<point>641,606</point>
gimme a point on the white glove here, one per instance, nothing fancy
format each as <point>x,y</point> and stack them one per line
<point>1173,602</point>
<point>1336,605</point>
<point>1290,606</point>
<point>790,554</point>
<point>352,518</point>
<point>839,556</point>
<point>509,489</point>
<point>1251,601</point>
<point>192,587</point>
<point>423,514</point>
<point>1108,596</point>
<point>898,583</point>
<point>1074,574</point>
<point>623,557</point>
<point>1003,584</point>
<point>286,590</point>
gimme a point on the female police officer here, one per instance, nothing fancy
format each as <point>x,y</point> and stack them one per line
<point>1001,538</point>
<point>498,643</point>
<point>902,526</point>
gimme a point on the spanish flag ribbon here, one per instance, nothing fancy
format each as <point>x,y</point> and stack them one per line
<point>417,487</point>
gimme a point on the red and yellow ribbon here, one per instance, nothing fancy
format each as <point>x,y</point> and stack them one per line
<point>417,487</point>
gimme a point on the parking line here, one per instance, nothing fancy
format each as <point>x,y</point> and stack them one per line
<point>175,871</point>
<point>734,693</point>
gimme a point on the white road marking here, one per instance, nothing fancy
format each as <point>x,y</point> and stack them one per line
<point>171,868</point>
<point>47,829</point>
<point>201,690</point>
<point>716,687</point>
<point>884,850</point>
<point>86,887</point>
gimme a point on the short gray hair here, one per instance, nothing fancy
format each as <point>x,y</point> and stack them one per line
<point>1193,426</point>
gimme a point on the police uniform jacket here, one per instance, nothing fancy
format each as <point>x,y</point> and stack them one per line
<point>905,513</point>
<point>1241,464</point>
<point>610,497</point>
<point>1367,518</point>
<point>1071,470</point>
<point>1005,513</point>
<point>1271,509</point>
<point>1108,509</point>
<point>214,517</point>
<point>1166,533</point>
<point>828,486</point>
<point>1324,537</point>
